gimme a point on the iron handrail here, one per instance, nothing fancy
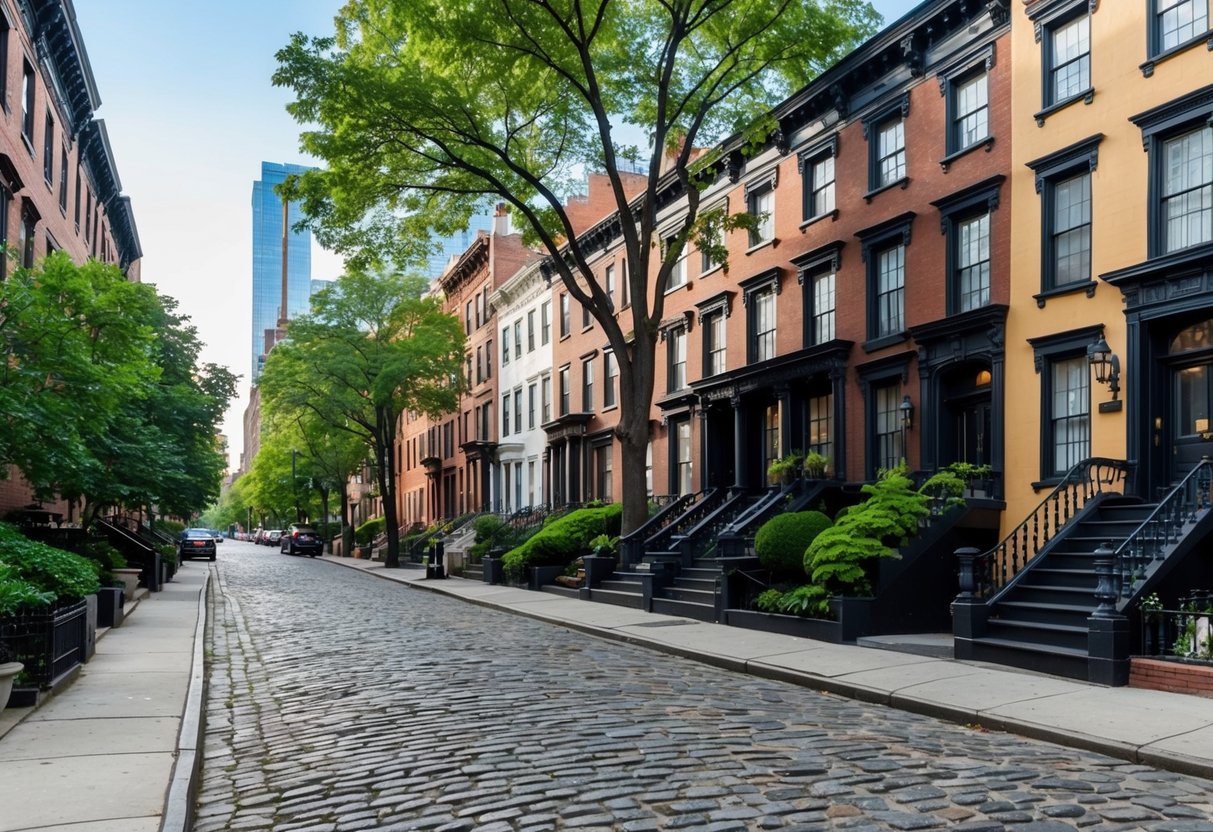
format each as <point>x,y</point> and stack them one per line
<point>997,566</point>
<point>662,518</point>
<point>1162,528</point>
<point>685,520</point>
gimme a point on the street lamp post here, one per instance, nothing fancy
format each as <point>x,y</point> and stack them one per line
<point>295,485</point>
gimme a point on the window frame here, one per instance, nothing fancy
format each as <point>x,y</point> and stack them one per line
<point>587,385</point>
<point>564,390</point>
<point>754,289</point>
<point>1080,158</point>
<point>1048,17</point>
<point>566,316</point>
<point>1048,351</point>
<point>676,357</point>
<point>806,162</point>
<point>545,323</point>
<point>896,110</point>
<point>890,371</point>
<point>980,199</point>
<point>1156,52</point>
<point>761,187</point>
<point>874,242</point>
<point>29,96</point>
<point>826,259</point>
<point>951,81</point>
<point>48,150</point>
<point>610,390</point>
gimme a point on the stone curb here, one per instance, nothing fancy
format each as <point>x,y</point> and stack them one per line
<point>183,787</point>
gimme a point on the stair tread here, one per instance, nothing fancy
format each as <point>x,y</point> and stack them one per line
<point>1038,648</point>
<point>1049,606</point>
<point>1038,625</point>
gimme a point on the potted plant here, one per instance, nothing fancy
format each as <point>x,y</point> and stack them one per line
<point>816,466</point>
<point>10,668</point>
<point>976,478</point>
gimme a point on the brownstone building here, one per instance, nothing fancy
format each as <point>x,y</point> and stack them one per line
<point>59,184</point>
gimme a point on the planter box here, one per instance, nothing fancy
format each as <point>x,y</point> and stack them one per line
<point>852,619</point>
<point>543,575</point>
<point>1175,676</point>
<point>109,606</point>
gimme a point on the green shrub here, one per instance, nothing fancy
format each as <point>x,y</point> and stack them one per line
<point>105,556</point>
<point>781,541</point>
<point>368,531</point>
<point>170,527</point>
<point>15,592</point>
<point>63,574</point>
<point>769,600</point>
<point>561,540</point>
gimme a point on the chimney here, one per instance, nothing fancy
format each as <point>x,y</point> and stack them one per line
<point>501,220</point>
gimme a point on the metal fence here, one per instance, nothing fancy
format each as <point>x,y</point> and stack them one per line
<point>49,641</point>
<point>1184,633</point>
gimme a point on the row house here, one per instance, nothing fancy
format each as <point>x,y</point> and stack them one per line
<point>59,184</point>
<point>1112,181</point>
<point>863,317</point>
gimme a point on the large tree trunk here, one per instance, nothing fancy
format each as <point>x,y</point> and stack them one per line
<point>385,451</point>
<point>347,525</point>
<point>636,397</point>
<point>324,517</point>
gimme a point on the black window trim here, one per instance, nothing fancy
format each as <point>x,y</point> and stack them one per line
<point>1049,15</point>
<point>805,160</point>
<point>809,264</point>
<point>1155,55</point>
<point>899,107</point>
<point>980,198</point>
<point>881,372</point>
<point>1047,349</point>
<point>1080,157</point>
<point>874,239</point>
<point>765,182</point>
<point>1157,125</point>
<point>751,287</point>
<point>969,67</point>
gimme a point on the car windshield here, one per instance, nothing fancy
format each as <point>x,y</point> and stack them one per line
<point>197,533</point>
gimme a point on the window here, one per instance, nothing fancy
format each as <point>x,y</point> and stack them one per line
<point>759,298</point>
<point>530,331</point>
<point>505,415</point>
<point>714,343</point>
<point>518,338</point>
<point>970,105</point>
<point>760,204</point>
<point>772,434</point>
<point>479,309</point>
<point>889,449</point>
<point>76,204</point>
<point>676,345</point>
<point>48,149</point>
<point>608,281</point>
<point>610,391</point>
<point>26,240</point>
<point>531,395</point>
<point>587,320</point>
<point>973,262</point>
<point>821,425</point>
<point>488,359</point>
<point>63,179</point>
<point>623,273</point>
<point>587,386</point>
<point>545,386</point>
<point>884,251</point>
<point>4,35</point>
<point>518,410</point>
<point>1187,189</point>
<point>564,391</point>
<point>1064,33</point>
<point>517,485</point>
<point>707,261</point>
<point>1063,180</point>
<point>604,464</point>
<point>505,345</point>
<point>683,469</point>
<point>817,169</point>
<point>566,321</point>
<point>1069,413</point>
<point>479,365</point>
<point>467,324</point>
<point>821,285</point>
<point>1179,138</point>
<point>545,320</point>
<point>27,105</point>
<point>678,273</point>
<point>530,480</point>
<point>1176,22</point>
<point>890,291</point>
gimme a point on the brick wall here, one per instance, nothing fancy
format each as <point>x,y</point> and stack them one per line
<point>1175,677</point>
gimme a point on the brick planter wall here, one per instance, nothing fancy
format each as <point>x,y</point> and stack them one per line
<point>1175,677</point>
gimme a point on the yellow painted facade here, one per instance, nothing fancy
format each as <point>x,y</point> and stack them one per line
<point>1119,216</point>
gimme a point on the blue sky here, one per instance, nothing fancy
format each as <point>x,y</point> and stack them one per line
<point>187,100</point>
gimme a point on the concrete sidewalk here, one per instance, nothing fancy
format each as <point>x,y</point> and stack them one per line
<point>1166,730</point>
<point>117,750</point>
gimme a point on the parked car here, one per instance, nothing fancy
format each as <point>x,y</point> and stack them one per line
<point>196,543</point>
<point>301,539</point>
<point>218,535</point>
<point>272,537</point>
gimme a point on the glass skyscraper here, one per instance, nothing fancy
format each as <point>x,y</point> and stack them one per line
<point>268,229</point>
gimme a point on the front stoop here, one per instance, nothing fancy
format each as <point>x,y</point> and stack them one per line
<point>1171,676</point>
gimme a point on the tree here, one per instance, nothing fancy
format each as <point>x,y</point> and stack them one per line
<point>372,348</point>
<point>424,110</point>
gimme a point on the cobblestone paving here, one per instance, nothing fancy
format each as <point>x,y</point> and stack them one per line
<point>338,701</point>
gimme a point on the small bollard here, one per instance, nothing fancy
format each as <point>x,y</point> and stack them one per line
<point>433,566</point>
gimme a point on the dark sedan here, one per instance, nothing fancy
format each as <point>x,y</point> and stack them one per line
<point>301,539</point>
<point>196,543</point>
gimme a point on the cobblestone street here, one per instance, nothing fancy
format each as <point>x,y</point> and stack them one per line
<point>341,702</point>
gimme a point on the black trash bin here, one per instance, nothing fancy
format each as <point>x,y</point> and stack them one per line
<point>433,565</point>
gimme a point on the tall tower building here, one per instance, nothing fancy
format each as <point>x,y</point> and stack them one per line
<point>278,251</point>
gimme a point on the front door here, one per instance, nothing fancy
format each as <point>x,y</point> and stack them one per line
<point>1190,421</point>
<point>971,430</point>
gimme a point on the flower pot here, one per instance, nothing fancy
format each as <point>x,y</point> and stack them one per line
<point>130,581</point>
<point>8,674</point>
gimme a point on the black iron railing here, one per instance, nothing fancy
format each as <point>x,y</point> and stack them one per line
<point>1185,633</point>
<point>631,545</point>
<point>994,569</point>
<point>683,522</point>
<point>49,641</point>
<point>1143,550</point>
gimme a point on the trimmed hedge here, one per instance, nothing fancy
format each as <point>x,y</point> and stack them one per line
<point>63,574</point>
<point>781,541</point>
<point>369,530</point>
<point>562,540</point>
